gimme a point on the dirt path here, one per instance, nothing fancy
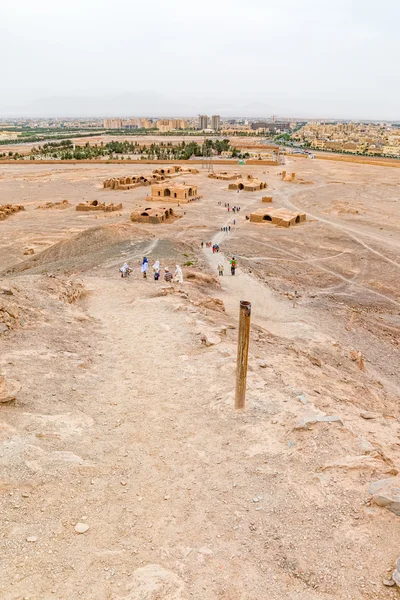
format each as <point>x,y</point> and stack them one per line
<point>269,310</point>
<point>166,468</point>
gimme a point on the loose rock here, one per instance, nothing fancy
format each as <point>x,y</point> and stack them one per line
<point>365,414</point>
<point>308,421</point>
<point>211,303</point>
<point>210,339</point>
<point>396,573</point>
<point>8,390</point>
<point>81,527</point>
<point>153,582</point>
<point>302,398</point>
<point>386,493</point>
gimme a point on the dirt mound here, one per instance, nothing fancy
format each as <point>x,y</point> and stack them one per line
<point>23,304</point>
<point>86,250</point>
<point>201,278</point>
<point>211,303</point>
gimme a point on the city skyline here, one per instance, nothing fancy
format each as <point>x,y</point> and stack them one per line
<point>305,60</point>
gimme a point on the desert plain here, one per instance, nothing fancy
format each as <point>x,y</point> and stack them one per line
<point>126,473</point>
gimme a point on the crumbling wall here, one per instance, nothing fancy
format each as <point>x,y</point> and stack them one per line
<point>6,210</point>
<point>95,205</point>
<point>57,205</point>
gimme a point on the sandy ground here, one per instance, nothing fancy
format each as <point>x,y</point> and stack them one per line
<point>125,419</point>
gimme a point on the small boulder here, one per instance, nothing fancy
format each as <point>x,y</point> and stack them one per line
<point>212,304</point>
<point>315,361</point>
<point>386,493</point>
<point>396,573</point>
<point>153,582</point>
<point>366,414</point>
<point>308,421</point>
<point>210,339</point>
<point>8,390</point>
<point>302,398</point>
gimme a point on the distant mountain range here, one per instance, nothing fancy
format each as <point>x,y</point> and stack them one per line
<point>142,103</point>
<point>147,103</point>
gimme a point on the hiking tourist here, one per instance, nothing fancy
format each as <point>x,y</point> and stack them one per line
<point>156,270</point>
<point>220,269</point>
<point>167,275</point>
<point>144,267</point>
<point>125,270</point>
<point>233,264</point>
<point>178,275</point>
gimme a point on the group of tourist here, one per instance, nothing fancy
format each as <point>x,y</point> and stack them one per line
<point>169,277</point>
<point>234,209</point>
<point>233,265</point>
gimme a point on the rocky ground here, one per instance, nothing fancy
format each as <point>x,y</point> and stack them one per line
<point>126,473</point>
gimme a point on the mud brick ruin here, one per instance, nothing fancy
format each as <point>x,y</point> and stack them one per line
<point>127,183</point>
<point>278,216</point>
<point>286,177</point>
<point>225,176</point>
<point>96,205</point>
<point>251,184</point>
<point>153,215</point>
<point>9,209</point>
<point>174,192</point>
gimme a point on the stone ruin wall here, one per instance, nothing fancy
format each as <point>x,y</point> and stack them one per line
<point>6,210</point>
<point>98,206</point>
<point>127,183</point>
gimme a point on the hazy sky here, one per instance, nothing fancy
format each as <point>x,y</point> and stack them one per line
<point>313,58</point>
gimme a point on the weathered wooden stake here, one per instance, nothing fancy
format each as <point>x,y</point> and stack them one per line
<point>243,353</point>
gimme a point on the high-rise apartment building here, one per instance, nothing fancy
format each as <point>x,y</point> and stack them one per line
<point>203,122</point>
<point>179,124</point>
<point>112,124</point>
<point>216,122</point>
<point>165,125</point>
<point>145,124</point>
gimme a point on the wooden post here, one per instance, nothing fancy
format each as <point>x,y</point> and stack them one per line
<point>243,353</point>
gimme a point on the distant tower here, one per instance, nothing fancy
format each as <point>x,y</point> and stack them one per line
<point>216,122</point>
<point>203,122</point>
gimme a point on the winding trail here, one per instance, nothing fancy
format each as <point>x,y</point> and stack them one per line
<point>268,309</point>
<point>350,231</point>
